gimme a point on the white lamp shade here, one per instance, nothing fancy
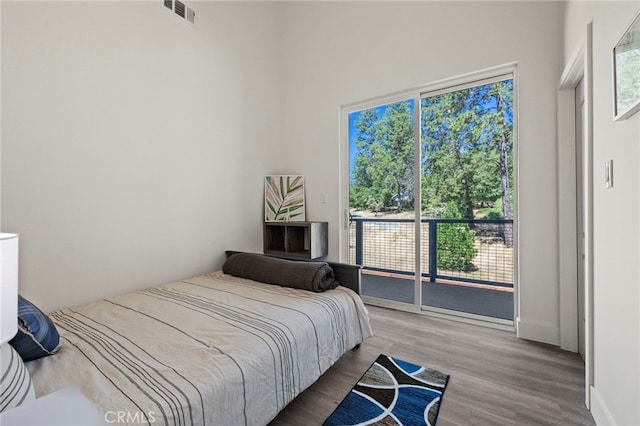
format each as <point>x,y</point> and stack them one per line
<point>8,286</point>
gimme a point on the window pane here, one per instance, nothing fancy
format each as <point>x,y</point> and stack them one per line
<point>381,199</point>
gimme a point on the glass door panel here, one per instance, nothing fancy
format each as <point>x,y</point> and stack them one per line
<point>467,199</point>
<point>381,200</point>
<point>431,199</point>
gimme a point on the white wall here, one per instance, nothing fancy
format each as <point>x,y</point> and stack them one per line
<point>133,144</point>
<point>616,228</point>
<point>134,147</point>
<point>338,53</point>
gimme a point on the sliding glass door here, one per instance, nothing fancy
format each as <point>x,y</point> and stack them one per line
<point>431,205</point>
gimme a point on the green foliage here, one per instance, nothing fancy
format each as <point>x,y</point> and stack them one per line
<point>494,211</point>
<point>467,141</point>
<point>485,181</point>
<point>383,165</point>
<point>466,152</point>
<point>374,205</point>
<point>455,242</point>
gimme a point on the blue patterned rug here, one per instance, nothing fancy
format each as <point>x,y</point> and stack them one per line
<point>392,392</point>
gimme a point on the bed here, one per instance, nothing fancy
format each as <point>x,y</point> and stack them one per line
<point>214,349</point>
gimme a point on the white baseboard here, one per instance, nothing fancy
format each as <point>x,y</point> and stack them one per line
<point>538,332</point>
<point>599,410</point>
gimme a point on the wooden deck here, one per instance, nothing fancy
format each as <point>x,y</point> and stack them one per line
<point>478,299</point>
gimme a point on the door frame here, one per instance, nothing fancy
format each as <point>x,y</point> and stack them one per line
<point>579,67</point>
<point>461,82</point>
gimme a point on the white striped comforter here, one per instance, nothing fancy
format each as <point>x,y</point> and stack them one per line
<point>210,350</point>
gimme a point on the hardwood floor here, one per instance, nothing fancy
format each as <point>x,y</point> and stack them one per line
<point>496,378</point>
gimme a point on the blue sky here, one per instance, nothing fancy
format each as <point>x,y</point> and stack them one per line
<point>353,132</point>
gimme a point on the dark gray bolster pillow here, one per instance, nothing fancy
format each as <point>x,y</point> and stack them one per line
<point>312,276</point>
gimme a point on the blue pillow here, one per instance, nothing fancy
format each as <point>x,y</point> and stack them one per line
<point>37,336</point>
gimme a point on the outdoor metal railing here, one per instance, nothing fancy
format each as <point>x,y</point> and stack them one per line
<point>478,251</point>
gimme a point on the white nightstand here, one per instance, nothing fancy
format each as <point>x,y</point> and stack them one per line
<point>66,407</point>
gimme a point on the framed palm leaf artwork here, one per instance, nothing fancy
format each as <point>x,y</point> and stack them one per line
<point>284,198</point>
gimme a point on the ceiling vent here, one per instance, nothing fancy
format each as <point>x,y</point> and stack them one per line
<point>191,15</point>
<point>181,10</point>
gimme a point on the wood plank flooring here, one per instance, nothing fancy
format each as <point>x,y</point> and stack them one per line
<point>496,378</point>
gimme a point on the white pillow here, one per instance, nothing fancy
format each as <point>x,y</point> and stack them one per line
<point>15,382</point>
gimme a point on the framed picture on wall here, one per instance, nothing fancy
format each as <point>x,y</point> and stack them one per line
<point>626,73</point>
<point>284,198</point>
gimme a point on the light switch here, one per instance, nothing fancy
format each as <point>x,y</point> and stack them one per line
<point>608,174</point>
